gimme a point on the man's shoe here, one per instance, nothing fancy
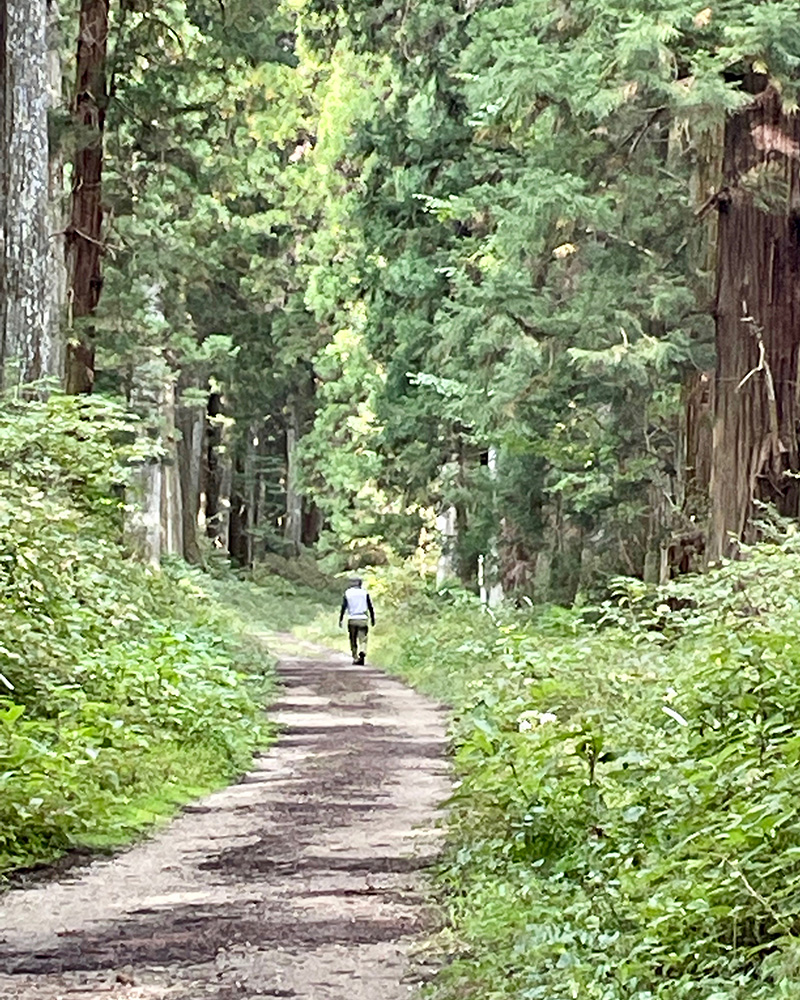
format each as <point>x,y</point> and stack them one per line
<point>361,658</point>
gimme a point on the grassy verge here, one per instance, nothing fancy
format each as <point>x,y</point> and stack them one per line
<point>626,824</point>
<point>163,707</point>
<point>123,692</point>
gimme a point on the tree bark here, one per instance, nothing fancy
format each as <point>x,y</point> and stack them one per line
<point>84,233</point>
<point>447,530</point>
<point>249,491</point>
<point>312,523</point>
<point>237,531</point>
<point>293,524</point>
<point>754,442</point>
<point>24,190</point>
<point>53,349</point>
<point>155,525</point>
<point>171,493</point>
<point>190,421</point>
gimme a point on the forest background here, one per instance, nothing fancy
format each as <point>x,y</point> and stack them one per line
<point>505,287</point>
<point>516,280</point>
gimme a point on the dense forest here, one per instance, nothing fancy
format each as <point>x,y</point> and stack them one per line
<point>493,298</point>
<point>512,281</point>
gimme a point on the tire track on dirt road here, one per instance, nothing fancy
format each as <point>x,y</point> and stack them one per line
<point>305,880</point>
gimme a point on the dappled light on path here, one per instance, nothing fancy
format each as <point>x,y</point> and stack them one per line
<point>306,879</point>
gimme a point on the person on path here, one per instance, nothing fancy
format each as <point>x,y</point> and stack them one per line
<point>356,604</point>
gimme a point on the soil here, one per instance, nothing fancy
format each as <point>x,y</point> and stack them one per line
<point>306,879</point>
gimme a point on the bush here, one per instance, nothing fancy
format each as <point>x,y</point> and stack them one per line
<point>122,690</point>
<point>627,823</point>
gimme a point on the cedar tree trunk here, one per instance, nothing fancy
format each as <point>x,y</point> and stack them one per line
<point>293,524</point>
<point>84,233</point>
<point>24,190</point>
<point>754,449</point>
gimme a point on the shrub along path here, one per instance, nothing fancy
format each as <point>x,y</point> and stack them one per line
<point>304,880</point>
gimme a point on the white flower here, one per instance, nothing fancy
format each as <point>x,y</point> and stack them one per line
<point>545,717</point>
<point>525,725</point>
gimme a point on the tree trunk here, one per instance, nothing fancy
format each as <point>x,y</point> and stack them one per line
<point>143,525</point>
<point>190,421</point>
<point>155,526</point>
<point>757,324</point>
<point>237,532</point>
<point>218,475</point>
<point>447,530</point>
<point>171,492</point>
<point>24,190</point>
<point>293,525</point>
<point>84,233</point>
<point>53,348</point>
<point>312,523</point>
<point>249,491</point>
<point>492,587</point>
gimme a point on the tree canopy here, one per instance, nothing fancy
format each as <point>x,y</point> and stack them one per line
<point>366,264</point>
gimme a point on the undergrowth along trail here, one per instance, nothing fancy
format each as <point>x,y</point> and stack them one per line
<point>627,819</point>
<point>124,691</point>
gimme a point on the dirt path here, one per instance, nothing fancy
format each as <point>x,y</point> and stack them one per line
<point>305,880</point>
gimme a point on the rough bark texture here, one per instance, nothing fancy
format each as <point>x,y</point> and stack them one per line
<point>24,189</point>
<point>757,316</point>
<point>53,347</point>
<point>84,233</point>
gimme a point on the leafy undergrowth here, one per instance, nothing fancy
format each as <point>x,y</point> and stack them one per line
<point>123,691</point>
<point>627,818</point>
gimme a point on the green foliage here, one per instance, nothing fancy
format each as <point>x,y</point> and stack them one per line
<point>516,218</point>
<point>122,691</point>
<point>626,822</point>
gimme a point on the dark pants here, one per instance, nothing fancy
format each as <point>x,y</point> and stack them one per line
<point>358,632</point>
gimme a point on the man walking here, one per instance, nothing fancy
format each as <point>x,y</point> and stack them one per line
<point>357,605</point>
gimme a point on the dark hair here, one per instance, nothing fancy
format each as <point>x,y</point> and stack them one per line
<point>356,581</point>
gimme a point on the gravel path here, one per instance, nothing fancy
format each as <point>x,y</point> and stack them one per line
<point>304,880</point>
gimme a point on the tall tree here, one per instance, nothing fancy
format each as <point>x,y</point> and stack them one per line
<point>26,351</point>
<point>756,419</point>
<point>85,233</point>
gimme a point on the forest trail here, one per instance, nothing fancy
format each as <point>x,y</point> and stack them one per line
<point>305,880</point>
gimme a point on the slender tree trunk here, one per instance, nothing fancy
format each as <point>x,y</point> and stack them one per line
<point>24,190</point>
<point>446,527</point>
<point>190,422</point>
<point>84,233</point>
<point>312,523</point>
<point>218,475</point>
<point>237,533</point>
<point>250,494</point>
<point>53,349</point>
<point>293,525</point>
<point>171,492</point>
<point>492,588</point>
<point>757,324</point>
